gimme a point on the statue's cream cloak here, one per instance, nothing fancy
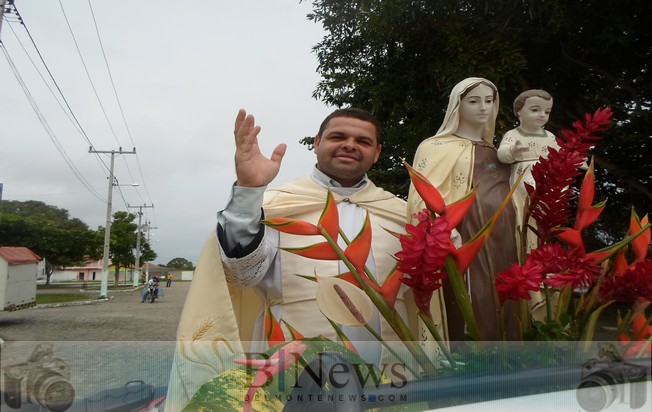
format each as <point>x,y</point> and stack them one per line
<point>447,162</point>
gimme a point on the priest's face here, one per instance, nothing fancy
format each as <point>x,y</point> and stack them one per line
<point>346,149</point>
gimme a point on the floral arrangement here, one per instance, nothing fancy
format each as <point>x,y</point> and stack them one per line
<point>561,262</point>
<point>577,284</point>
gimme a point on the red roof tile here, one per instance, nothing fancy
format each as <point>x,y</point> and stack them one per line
<point>18,255</point>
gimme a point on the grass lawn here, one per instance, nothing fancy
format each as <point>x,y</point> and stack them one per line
<point>60,297</point>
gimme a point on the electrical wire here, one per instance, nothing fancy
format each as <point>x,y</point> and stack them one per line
<point>115,92</point>
<point>122,195</point>
<point>69,113</point>
<point>90,79</point>
<point>47,127</point>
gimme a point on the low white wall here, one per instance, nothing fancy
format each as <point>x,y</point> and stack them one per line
<point>63,276</point>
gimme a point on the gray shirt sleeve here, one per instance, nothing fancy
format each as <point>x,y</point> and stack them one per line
<point>239,229</point>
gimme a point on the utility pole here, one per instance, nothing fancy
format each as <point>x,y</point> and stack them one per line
<point>2,13</point>
<point>148,241</point>
<point>136,277</point>
<point>104,284</point>
<point>7,6</point>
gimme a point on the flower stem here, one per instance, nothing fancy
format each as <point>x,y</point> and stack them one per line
<point>432,328</point>
<point>390,349</point>
<point>463,300</point>
<point>390,314</point>
<point>546,292</point>
<point>524,315</point>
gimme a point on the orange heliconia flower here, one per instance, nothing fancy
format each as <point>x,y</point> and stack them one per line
<point>358,250</point>
<point>295,334</point>
<point>273,329</point>
<point>587,213</point>
<point>320,251</point>
<point>642,242</point>
<point>638,341</point>
<point>429,194</point>
<point>291,226</point>
<point>330,219</point>
<point>454,212</point>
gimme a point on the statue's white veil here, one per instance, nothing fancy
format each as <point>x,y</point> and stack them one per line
<point>452,118</point>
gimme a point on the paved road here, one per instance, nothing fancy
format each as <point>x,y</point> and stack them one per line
<point>120,318</point>
<point>104,344</point>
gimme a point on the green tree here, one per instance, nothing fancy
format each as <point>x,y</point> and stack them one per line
<point>400,58</point>
<point>50,232</point>
<point>180,263</point>
<point>122,248</point>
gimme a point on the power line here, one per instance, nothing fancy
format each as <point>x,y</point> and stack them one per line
<point>69,113</point>
<point>47,127</point>
<point>90,79</point>
<point>38,52</point>
<point>115,92</point>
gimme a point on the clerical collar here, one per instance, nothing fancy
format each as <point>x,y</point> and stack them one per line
<point>324,180</point>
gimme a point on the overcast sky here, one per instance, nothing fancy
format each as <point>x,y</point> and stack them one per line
<point>181,71</point>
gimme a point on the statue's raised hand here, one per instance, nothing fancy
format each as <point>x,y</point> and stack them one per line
<point>252,168</point>
<point>519,149</point>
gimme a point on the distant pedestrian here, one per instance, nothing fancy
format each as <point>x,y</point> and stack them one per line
<point>169,282</point>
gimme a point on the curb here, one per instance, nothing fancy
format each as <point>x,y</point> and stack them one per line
<point>94,289</point>
<point>74,303</point>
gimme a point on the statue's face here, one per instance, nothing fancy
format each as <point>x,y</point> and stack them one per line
<point>475,107</point>
<point>535,113</point>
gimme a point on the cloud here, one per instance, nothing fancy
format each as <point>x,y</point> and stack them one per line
<point>181,73</point>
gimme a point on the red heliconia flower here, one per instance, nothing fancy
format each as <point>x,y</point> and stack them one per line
<point>423,254</point>
<point>633,286</point>
<point>565,267</point>
<point>516,282</point>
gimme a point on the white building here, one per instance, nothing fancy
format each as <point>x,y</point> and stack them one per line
<point>18,272</point>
